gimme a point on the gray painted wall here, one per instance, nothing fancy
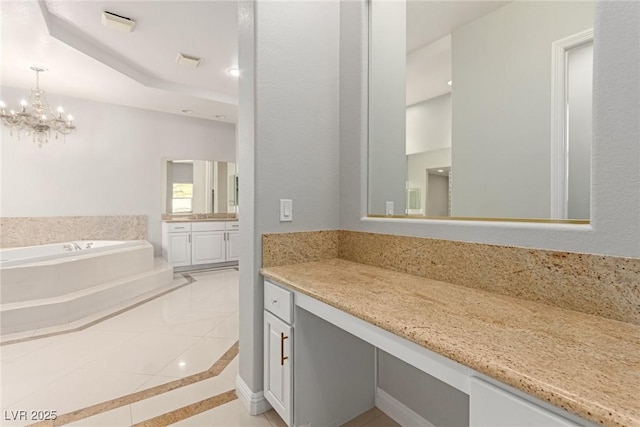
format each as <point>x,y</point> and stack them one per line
<point>306,37</point>
<point>580,94</point>
<point>288,140</point>
<point>615,203</point>
<point>502,107</point>
<point>387,159</point>
<point>432,399</point>
<point>615,190</point>
<point>429,125</point>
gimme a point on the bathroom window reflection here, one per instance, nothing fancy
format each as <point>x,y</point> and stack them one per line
<point>182,201</point>
<point>199,186</point>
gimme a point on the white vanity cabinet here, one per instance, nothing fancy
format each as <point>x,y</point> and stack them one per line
<point>336,355</point>
<point>176,244</point>
<point>207,242</point>
<point>186,244</point>
<point>232,241</point>
<point>278,346</point>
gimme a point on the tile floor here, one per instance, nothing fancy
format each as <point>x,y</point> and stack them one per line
<point>148,366</point>
<point>167,339</point>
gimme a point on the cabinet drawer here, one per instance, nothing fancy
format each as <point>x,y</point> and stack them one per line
<point>176,227</point>
<point>233,225</point>
<point>278,301</point>
<point>208,226</point>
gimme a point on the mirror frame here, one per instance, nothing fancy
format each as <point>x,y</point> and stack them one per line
<point>367,71</point>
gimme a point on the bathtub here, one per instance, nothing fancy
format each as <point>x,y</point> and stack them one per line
<point>23,255</point>
<point>55,284</point>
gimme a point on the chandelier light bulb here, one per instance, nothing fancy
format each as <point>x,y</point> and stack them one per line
<point>70,118</point>
<point>23,103</point>
<point>60,110</point>
<point>2,104</point>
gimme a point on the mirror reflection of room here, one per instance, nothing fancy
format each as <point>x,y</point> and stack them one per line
<point>200,187</point>
<point>495,113</point>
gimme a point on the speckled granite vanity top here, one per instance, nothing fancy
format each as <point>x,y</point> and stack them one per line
<point>586,364</point>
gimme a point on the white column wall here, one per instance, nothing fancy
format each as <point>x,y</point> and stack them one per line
<point>288,140</point>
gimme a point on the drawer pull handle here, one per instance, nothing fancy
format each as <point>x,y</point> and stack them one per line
<point>274,301</point>
<point>282,356</point>
<point>179,228</point>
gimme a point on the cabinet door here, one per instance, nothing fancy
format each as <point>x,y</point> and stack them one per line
<point>179,249</point>
<point>233,246</point>
<point>491,406</point>
<point>207,247</point>
<point>278,379</point>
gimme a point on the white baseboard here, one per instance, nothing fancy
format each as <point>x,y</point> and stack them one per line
<point>398,411</point>
<point>255,403</point>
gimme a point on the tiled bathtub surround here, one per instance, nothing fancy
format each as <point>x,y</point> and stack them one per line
<point>295,248</point>
<point>31,231</point>
<point>592,284</point>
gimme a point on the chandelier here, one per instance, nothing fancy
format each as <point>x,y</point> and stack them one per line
<point>39,120</point>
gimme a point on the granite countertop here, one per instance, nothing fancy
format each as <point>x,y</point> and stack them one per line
<point>586,364</point>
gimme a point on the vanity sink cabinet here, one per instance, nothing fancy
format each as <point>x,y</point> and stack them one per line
<point>187,244</point>
<point>335,375</point>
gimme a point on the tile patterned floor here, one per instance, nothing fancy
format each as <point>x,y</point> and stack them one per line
<point>169,360</point>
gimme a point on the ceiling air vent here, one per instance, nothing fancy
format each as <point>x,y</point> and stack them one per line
<point>117,22</point>
<point>191,61</point>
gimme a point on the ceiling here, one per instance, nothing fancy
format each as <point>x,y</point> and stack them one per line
<point>429,27</point>
<point>88,60</point>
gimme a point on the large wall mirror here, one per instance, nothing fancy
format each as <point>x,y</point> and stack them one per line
<point>480,109</point>
<point>199,186</point>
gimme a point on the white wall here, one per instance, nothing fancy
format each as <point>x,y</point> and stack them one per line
<point>387,159</point>
<point>110,166</point>
<point>502,107</point>
<point>288,140</point>
<point>579,100</point>
<point>429,125</point>
<point>417,165</point>
<point>615,190</point>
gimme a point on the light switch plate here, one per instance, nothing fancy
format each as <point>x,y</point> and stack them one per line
<point>286,210</point>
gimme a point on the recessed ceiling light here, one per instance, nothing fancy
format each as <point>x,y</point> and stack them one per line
<point>221,117</point>
<point>117,22</point>
<point>440,170</point>
<point>187,111</point>
<point>234,72</point>
<point>191,61</point>
<point>449,82</point>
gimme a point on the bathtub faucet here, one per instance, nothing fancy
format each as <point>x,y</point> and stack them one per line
<point>71,247</point>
